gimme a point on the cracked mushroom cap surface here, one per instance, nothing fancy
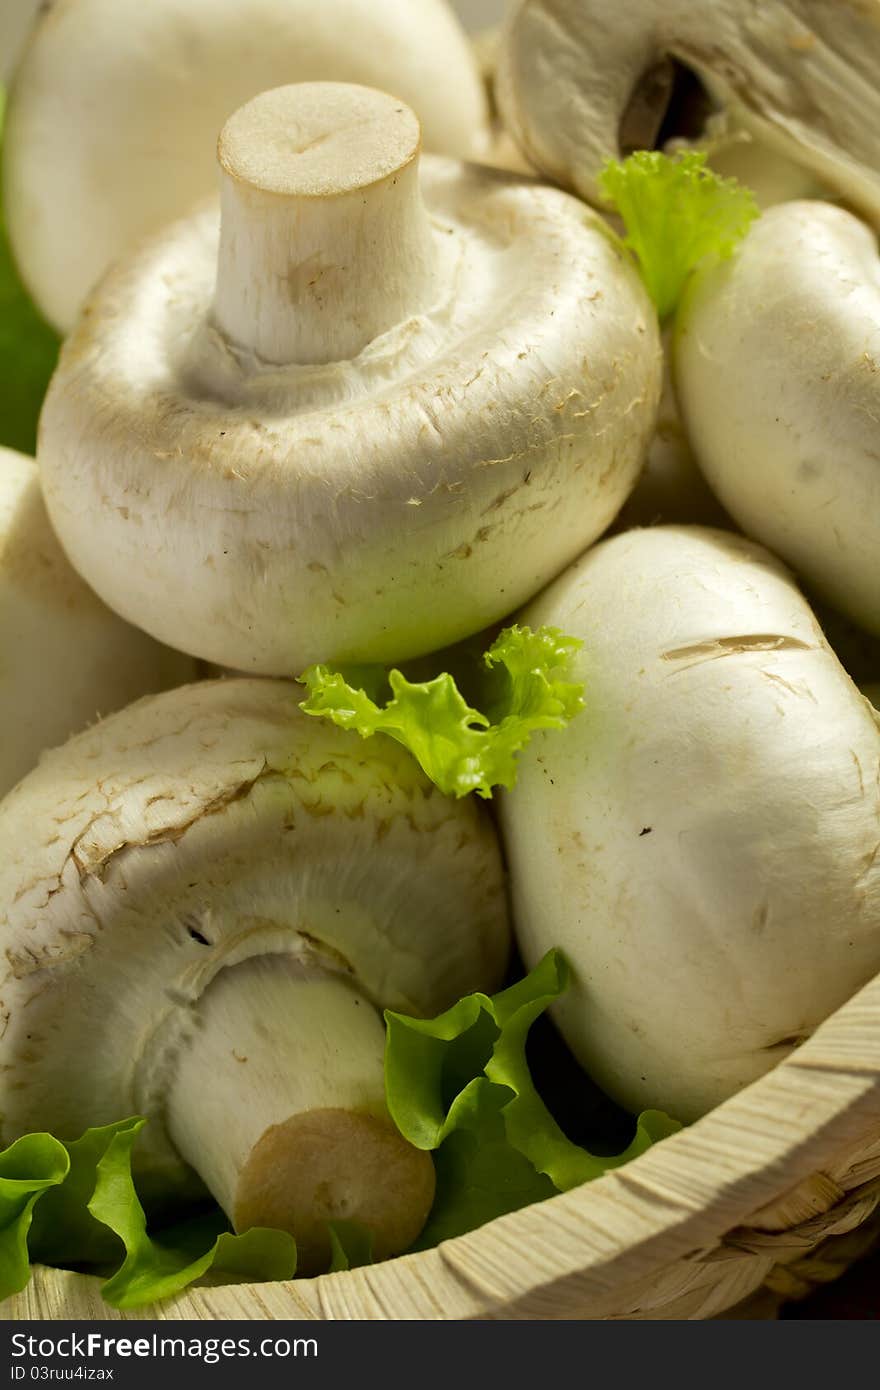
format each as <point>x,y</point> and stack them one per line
<point>704,844</point>
<point>199,831</point>
<point>583,81</point>
<point>449,401</point>
<point>66,658</point>
<point>114,112</point>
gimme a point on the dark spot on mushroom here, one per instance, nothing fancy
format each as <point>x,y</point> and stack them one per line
<point>669,101</point>
<point>197,936</point>
<point>792,1040</point>
<point>647,831</point>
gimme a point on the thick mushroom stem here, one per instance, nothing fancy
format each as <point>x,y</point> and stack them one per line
<point>325,241</point>
<point>278,1103</point>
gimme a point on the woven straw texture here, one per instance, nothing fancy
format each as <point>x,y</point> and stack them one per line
<point>771,1194</point>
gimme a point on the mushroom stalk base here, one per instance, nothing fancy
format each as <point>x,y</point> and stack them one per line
<point>325,241</point>
<point>278,1103</point>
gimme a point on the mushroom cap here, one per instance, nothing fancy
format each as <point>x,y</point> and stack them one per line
<point>777,368</point>
<point>267,517</point>
<point>804,75</point>
<point>115,109</point>
<point>199,829</point>
<point>67,659</point>
<point>703,844</point>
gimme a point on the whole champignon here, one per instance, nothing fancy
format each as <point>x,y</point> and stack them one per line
<point>115,109</point>
<point>703,846</point>
<point>383,412</point>
<point>777,369</point>
<point>204,902</point>
<point>582,81</point>
<point>66,659</point>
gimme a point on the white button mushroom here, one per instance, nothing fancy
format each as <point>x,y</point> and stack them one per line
<point>204,901</point>
<point>115,110</point>
<point>66,658</point>
<point>777,368</point>
<point>703,844</point>
<point>380,416</point>
<point>582,81</point>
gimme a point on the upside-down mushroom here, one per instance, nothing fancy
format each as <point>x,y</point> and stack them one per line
<point>704,845</point>
<point>776,361</point>
<point>115,109</point>
<point>66,659</point>
<point>366,413</point>
<point>205,901</point>
<point>583,81</point>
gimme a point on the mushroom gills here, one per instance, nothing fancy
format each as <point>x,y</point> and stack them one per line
<point>277,1100</point>
<point>800,75</point>
<point>669,102</point>
<point>206,901</point>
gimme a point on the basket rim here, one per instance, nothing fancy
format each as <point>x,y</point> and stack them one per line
<point>679,1198</point>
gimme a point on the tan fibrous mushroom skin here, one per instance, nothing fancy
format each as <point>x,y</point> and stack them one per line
<point>205,902</point>
<point>318,436</point>
<point>703,845</point>
<point>65,658</point>
<point>582,81</point>
<point>116,105</point>
<point>777,370</point>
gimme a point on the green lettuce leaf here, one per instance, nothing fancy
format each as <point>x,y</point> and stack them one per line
<point>28,349</point>
<point>677,212</point>
<point>64,1232</point>
<point>152,1270</point>
<point>29,1168</point>
<point>351,1245</point>
<point>75,1204</point>
<point>460,1084</point>
<point>461,749</point>
<point>480,1175</point>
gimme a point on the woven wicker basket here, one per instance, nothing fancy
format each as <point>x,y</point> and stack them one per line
<point>775,1191</point>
